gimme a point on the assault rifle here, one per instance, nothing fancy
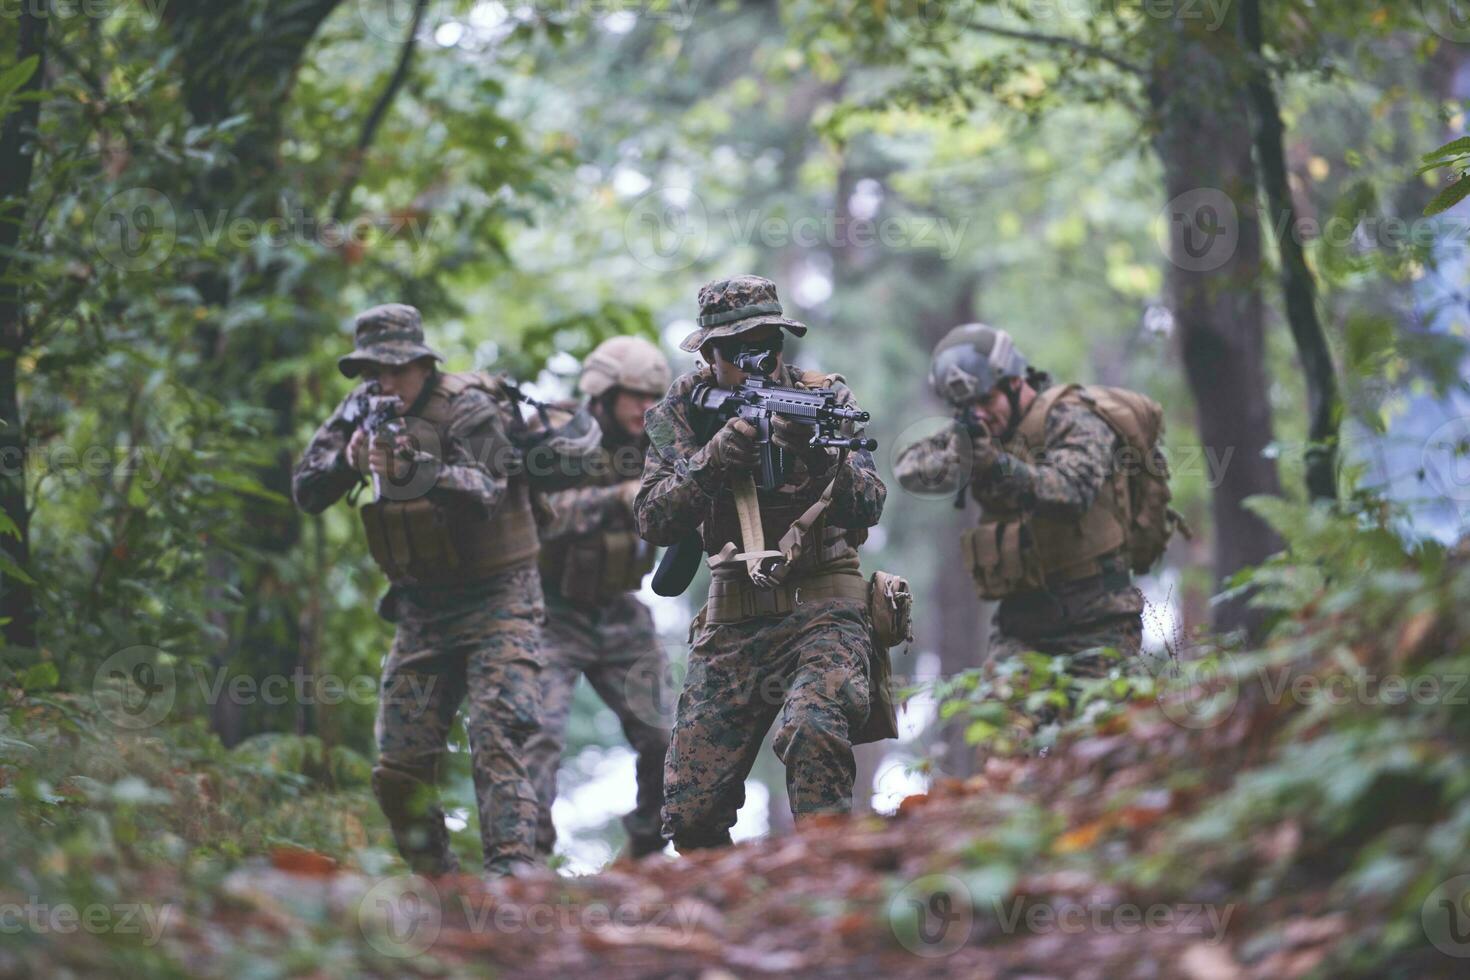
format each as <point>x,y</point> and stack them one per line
<point>373,413</point>
<point>758,400</point>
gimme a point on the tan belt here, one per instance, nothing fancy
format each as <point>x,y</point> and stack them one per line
<point>732,600</point>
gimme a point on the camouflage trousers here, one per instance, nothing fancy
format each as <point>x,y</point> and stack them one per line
<point>481,649</point>
<point>809,670</point>
<point>1076,620</point>
<point>615,646</point>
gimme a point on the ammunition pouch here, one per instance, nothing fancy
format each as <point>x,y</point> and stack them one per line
<point>437,542</point>
<point>601,567</point>
<point>733,599</point>
<point>1003,558</point>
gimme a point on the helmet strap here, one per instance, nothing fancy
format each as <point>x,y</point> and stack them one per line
<point>1013,395</point>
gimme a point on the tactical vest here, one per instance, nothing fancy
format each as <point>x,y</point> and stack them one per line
<point>441,538</point>
<point>1011,552</point>
<point>592,569</point>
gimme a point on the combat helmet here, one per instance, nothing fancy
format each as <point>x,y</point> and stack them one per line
<point>971,360</point>
<point>630,363</point>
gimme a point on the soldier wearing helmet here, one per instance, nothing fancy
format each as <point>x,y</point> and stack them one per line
<point>592,563</point>
<point>1042,462</point>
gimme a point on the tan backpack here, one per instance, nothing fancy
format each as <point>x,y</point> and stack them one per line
<point>1138,421</point>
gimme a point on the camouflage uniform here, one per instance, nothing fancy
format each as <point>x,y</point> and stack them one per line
<point>475,643</point>
<point>807,669</point>
<point>1061,485</point>
<point>608,637</point>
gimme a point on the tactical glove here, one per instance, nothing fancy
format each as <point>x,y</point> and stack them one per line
<point>733,447</point>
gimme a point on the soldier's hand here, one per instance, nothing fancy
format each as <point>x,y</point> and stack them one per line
<point>357,450</point>
<point>733,447</point>
<point>793,435</point>
<point>628,492</point>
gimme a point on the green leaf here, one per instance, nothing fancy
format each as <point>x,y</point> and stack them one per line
<point>17,75</point>
<point>1459,147</point>
<point>1449,197</point>
<point>40,676</point>
<point>9,569</point>
<point>7,526</point>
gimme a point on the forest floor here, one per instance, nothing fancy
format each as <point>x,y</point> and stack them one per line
<point>1249,823</point>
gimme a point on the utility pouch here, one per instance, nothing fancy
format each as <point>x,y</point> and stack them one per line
<point>1003,559</point>
<point>602,566</point>
<point>410,540</point>
<point>891,607</point>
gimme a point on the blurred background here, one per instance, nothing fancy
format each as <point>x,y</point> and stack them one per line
<point>214,189</point>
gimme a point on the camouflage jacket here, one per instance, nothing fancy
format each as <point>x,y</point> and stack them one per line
<point>681,492</point>
<point>600,504</point>
<point>1061,485</point>
<point>471,462</point>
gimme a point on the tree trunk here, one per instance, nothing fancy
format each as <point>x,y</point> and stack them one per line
<point>230,67</point>
<point>17,161</point>
<point>1203,142</point>
<point>1324,407</point>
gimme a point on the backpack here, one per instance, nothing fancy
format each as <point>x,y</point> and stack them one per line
<point>1138,421</point>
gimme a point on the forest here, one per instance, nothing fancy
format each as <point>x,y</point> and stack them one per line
<point>1252,213</point>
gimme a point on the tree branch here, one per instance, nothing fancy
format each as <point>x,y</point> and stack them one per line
<point>379,113</point>
<point>1058,41</point>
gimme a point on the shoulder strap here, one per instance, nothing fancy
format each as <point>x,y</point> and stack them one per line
<point>1033,424</point>
<point>817,379</point>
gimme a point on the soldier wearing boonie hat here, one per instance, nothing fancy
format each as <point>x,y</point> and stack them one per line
<point>798,651</point>
<point>455,534</point>
<point>389,335</point>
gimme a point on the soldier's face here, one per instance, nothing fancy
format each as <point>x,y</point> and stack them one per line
<point>727,375</point>
<point>628,409</point>
<point>994,410</point>
<point>402,381</point>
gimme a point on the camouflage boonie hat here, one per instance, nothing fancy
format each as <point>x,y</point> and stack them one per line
<point>728,307</point>
<point>391,334</point>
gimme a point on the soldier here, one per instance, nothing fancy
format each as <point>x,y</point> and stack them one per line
<point>456,536</point>
<point>1043,463</point>
<point>798,651</point>
<point>592,561</point>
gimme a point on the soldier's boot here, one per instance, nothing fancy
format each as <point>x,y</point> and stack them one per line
<point>416,820</point>
<point>644,825</point>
